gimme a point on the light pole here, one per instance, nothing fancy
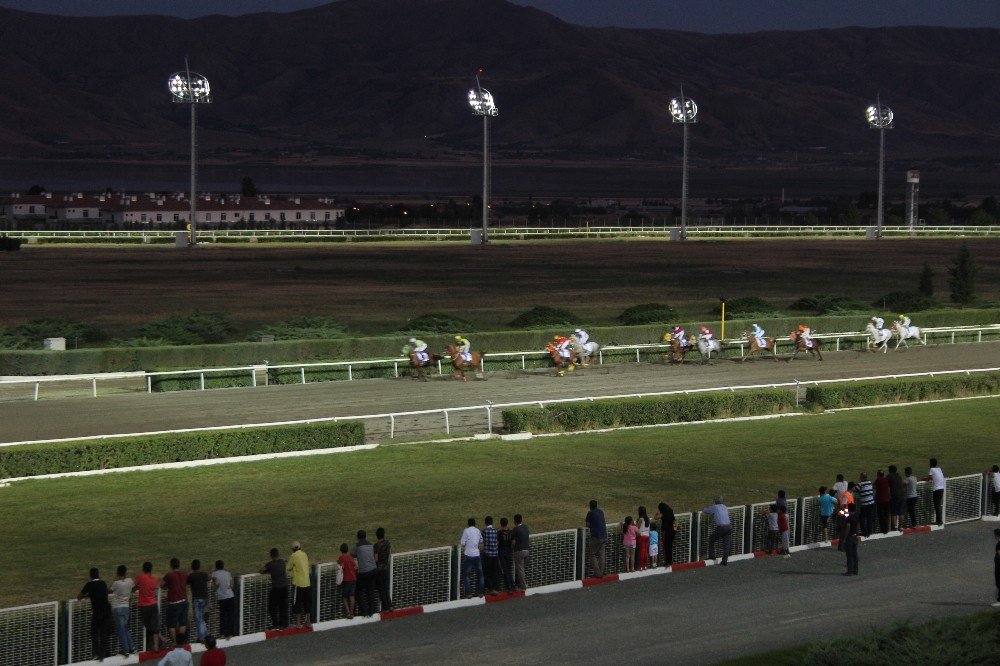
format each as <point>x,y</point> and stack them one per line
<point>880,118</point>
<point>685,112</point>
<point>481,101</point>
<point>189,87</point>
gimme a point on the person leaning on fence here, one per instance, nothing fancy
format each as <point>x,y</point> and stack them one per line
<point>364,553</point>
<point>723,529</point>
<point>491,556</point>
<point>846,502</point>
<point>642,543</point>
<point>773,533</point>
<point>348,579</point>
<point>668,531</point>
<point>866,497</point>
<point>504,538</point>
<point>654,544</point>
<point>277,595</point>
<point>121,598</point>
<point>178,656</point>
<point>912,494</point>
<point>100,614</point>
<point>471,541</point>
<point>175,583</point>
<point>629,535</point>
<point>993,487</point>
<point>827,505</point>
<point>936,477</point>
<point>883,497</point>
<point>149,610</point>
<point>298,566</point>
<point>897,498</point>
<point>521,545</point>
<point>598,541</point>
<point>383,557</point>
<point>198,582</point>
<point>223,582</point>
<point>786,535</point>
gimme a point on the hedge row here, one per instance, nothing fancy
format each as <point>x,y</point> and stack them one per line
<point>36,459</point>
<point>879,392</point>
<point>567,417</point>
<point>122,359</point>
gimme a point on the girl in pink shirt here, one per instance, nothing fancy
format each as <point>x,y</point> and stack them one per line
<point>629,534</point>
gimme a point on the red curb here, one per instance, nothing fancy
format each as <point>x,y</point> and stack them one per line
<point>764,553</point>
<point>403,612</point>
<point>688,565</point>
<point>917,530</point>
<point>150,656</point>
<point>494,598</point>
<point>290,631</point>
<point>610,578</point>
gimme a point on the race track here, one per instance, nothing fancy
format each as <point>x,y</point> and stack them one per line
<point>114,414</point>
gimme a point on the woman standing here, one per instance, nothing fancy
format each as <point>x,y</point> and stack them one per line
<point>629,534</point>
<point>642,546</point>
<point>667,521</point>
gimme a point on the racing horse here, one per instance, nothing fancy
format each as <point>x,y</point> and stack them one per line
<point>769,346</point>
<point>706,348</point>
<point>878,339</point>
<point>904,333</point>
<point>462,366</point>
<point>561,363</point>
<point>678,351</point>
<point>418,368</point>
<point>800,346</point>
<point>584,353</point>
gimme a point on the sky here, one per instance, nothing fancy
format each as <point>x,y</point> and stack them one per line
<point>712,16</point>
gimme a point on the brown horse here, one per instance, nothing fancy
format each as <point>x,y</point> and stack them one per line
<point>800,346</point>
<point>678,352</point>
<point>769,346</point>
<point>418,368</point>
<point>562,364</point>
<point>462,366</point>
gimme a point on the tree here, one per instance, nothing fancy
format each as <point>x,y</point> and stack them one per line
<point>981,217</point>
<point>926,286</point>
<point>962,280</point>
<point>937,217</point>
<point>248,187</point>
<point>35,190</point>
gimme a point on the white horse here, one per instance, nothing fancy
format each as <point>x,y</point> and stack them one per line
<point>706,348</point>
<point>904,333</point>
<point>586,352</point>
<point>878,339</point>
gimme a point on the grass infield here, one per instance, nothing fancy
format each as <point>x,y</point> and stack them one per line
<point>422,494</point>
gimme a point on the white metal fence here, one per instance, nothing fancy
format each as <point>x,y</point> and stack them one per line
<point>29,635</point>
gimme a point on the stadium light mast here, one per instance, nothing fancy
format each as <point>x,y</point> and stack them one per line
<point>880,117</point>
<point>189,87</point>
<point>481,101</point>
<point>685,112</point>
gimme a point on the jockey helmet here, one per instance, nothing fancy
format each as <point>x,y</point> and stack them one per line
<point>874,318</point>
<point>902,316</point>
<point>677,328</point>
<point>704,328</point>
<point>555,337</point>
<point>412,340</point>
<point>458,337</point>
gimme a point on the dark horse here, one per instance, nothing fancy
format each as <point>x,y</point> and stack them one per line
<point>461,366</point>
<point>418,369</point>
<point>679,351</point>
<point>561,363</point>
<point>800,346</point>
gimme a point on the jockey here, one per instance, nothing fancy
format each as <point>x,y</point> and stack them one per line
<point>581,336</point>
<point>879,323</point>
<point>705,335</point>
<point>758,333</point>
<point>419,349</point>
<point>462,346</point>
<point>562,345</point>
<point>680,337</point>
<point>805,332</point>
<point>904,322</point>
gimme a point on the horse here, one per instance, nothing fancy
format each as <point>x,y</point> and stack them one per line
<point>462,366</point>
<point>904,333</point>
<point>706,349</point>
<point>755,348</point>
<point>561,363</point>
<point>418,367</point>
<point>679,351</point>
<point>878,339</point>
<point>800,345</point>
<point>584,353</point>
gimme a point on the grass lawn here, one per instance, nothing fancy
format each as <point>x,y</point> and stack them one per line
<point>53,531</point>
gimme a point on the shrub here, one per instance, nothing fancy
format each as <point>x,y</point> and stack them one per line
<point>195,328</point>
<point>648,313</point>
<point>436,322</point>
<point>572,416</point>
<point>8,244</point>
<point>748,307</point>
<point>822,304</point>
<point>31,334</point>
<point>906,301</point>
<point>542,316</point>
<point>857,394</point>
<point>35,459</point>
<point>303,328</point>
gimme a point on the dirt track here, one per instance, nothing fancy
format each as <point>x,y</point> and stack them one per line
<point>52,419</point>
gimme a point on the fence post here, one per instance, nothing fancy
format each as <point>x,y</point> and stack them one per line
<point>636,354</point>
<point>439,367</point>
<point>395,372</point>
<point>350,372</point>
<point>302,373</point>
<point>201,375</point>
<point>447,425</point>
<point>600,356</point>
<point>253,377</point>
<point>695,536</point>
<point>489,419</point>
<point>37,384</point>
<point>581,553</point>
<point>392,426</point>
<point>149,384</point>
<point>94,380</point>
<point>838,343</point>
<point>240,601</point>
<point>456,573</point>
<point>523,366</point>
<point>747,529</point>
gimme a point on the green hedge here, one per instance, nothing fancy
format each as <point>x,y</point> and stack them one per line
<point>879,392</point>
<point>35,459</point>
<point>571,416</point>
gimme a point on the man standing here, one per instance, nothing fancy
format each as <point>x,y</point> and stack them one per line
<point>723,528</point>
<point>598,541</point>
<point>471,541</point>
<point>121,598</point>
<point>383,556</point>
<point>506,556</point>
<point>491,553</point>
<point>298,566</point>
<point>198,582</point>
<point>100,613</point>
<point>667,520</point>
<point>364,553</point>
<point>912,494</point>
<point>149,610</point>
<point>882,495</point>
<point>277,596</point>
<point>522,549</point>
<point>866,492</point>
<point>996,564</point>
<point>850,541</point>
<point>175,583</point>
<point>897,498</point>
<point>223,582</point>
<point>936,477</point>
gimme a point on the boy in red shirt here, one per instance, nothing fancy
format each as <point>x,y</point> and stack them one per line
<point>213,656</point>
<point>350,569</point>
<point>785,535</point>
<point>149,612</point>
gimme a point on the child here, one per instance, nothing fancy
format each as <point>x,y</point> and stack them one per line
<point>785,534</point>
<point>629,534</point>
<point>827,505</point>
<point>654,545</point>
<point>772,529</point>
<point>350,568</point>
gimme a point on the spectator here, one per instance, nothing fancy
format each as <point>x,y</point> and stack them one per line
<point>786,541</point>
<point>866,492</point>
<point>298,566</point>
<point>668,531</point>
<point>912,495</point>
<point>629,537</point>
<point>654,545</point>
<point>642,543</point>
<point>521,545</point>
<point>596,545</point>
<point>936,477</point>
<point>840,486</point>
<point>996,564</point>
<point>383,556</point>
<point>178,656</point>
<point>277,596</point>
<point>149,609</point>
<point>214,656</point>
<point>723,529</point>
<point>850,540</point>
<point>847,507</point>
<point>175,583</point>
<point>827,505</point>
<point>781,501</point>
<point>491,553</point>
<point>504,537</point>
<point>198,582</point>
<point>471,541</point>
<point>100,614</point>
<point>364,553</point>
<point>897,498</point>
<point>223,582</point>
<point>121,598</point>
<point>347,586</point>
<point>773,533</point>
<point>994,488</point>
<point>882,495</point>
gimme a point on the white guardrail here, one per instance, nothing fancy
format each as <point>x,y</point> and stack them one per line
<point>252,371</point>
<point>207,235</point>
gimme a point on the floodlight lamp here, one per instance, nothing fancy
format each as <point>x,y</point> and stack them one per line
<point>879,117</point>
<point>683,112</point>
<point>199,90</point>
<point>482,103</point>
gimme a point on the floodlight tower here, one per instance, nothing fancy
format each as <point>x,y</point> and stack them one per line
<point>481,101</point>
<point>685,112</point>
<point>880,117</point>
<point>189,87</point>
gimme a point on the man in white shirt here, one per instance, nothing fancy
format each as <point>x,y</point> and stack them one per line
<point>936,477</point>
<point>121,598</point>
<point>471,542</point>
<point>178,656</point>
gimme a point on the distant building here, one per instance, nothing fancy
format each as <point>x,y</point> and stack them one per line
<point>27,206</point>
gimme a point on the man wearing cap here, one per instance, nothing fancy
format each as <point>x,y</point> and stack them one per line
<point>581,336</point>
<point>758,333</point>
<point>562,344</point>
<point>680,336</point>
<point>723,528</point>
<point>462,347</point>
<point>418,348</point>
<point>298,567</point>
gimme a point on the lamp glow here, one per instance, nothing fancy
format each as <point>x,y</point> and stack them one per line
<point>880,117</point>
<point>482,104</point>
<point>187,87</point>
<point>685,111</point>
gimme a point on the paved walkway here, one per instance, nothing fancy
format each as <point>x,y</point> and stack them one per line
<point>698,616</point>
